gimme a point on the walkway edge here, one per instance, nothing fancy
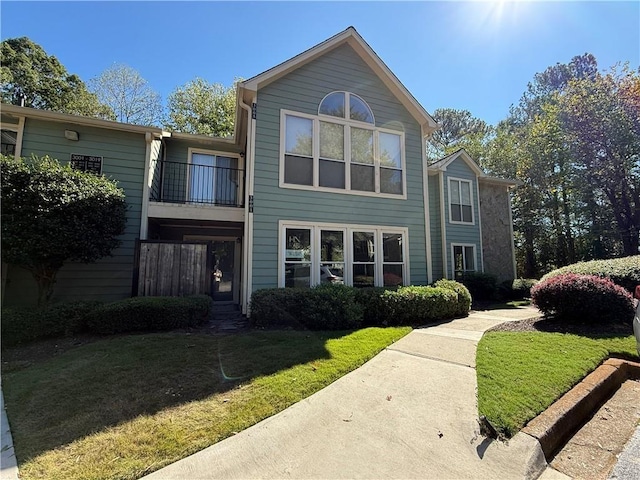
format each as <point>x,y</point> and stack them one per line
<point>8,462</point>
<point>558,423</point>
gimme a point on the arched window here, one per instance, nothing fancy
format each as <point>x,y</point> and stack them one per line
<point>346,105</point>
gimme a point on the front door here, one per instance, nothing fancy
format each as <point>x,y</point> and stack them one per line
<point>223,269</point>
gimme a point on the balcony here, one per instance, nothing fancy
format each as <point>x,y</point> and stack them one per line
<point>197,184</point>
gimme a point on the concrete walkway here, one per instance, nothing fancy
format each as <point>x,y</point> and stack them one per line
<point>8,464</point>
<point>410,412</point>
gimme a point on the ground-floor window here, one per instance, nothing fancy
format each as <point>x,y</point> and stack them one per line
<point>362,256</point>
<point>463,260</point>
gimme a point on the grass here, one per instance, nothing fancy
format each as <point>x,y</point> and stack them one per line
<point>521,373</point>
<point>126,406</point>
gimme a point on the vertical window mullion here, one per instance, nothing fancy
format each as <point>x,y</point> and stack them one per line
<point>316,152</point>
<point>376,160</point>
<point>347,157</point>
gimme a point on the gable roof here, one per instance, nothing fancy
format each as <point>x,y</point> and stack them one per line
<point>442,164</point>
<point>352,38</point>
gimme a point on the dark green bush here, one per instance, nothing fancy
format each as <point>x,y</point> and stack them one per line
<point>419,305</point>
<point>374,309</point>
<point>521,287</point>
<point>331,307</point>
<point>324,307</point>
<point>142,314</point>
<point>621,271</point>
<point>482,286</point>
<point>340,307</point>
<point>464,297</point>
<point>583,298</point>
<point>20,325</point>
<point>277,307</point>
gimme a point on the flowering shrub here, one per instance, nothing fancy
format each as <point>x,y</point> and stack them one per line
<point>621,271</point>
<point>585,298</point>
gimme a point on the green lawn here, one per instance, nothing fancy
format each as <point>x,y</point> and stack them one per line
<point>124,407</point>
<point>521,373</point>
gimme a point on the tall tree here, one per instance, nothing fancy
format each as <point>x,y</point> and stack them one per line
<point>458,129</point>
<point>41,81</point>
<point>52,214</point>
<point>128,95</point>
<point>203,108</point>
<point>602,124</point>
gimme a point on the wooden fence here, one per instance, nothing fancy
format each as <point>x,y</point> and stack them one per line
<point>172,268</point>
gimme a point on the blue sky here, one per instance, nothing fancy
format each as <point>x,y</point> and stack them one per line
<point>477,56</point>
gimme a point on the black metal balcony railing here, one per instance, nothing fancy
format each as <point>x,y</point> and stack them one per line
<point>177,182</point>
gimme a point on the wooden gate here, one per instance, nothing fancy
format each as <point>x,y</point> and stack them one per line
<point>172,268</point>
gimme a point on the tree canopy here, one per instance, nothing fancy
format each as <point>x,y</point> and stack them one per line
<point>43,82</point>
<point>132,100</point>
<point>52,214</point>
<point>458,129</point>
<point>203,108</point>
<point>574,140</point>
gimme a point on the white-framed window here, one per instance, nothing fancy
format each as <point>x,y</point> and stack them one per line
<point>12,138</point>
<point>463,260</point>
<point>362,256</point>
<point>460,201</point>
<point>212,178</point>
<point>341,150</point>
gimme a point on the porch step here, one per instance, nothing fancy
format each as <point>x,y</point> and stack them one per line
<point>227,318</point>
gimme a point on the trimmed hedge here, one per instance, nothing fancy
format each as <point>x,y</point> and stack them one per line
<point>149,314</point>
<point>583,298</point>
<point>621,271</point>
<point>419,305</point>
<point>464,296</point>
<point>482,286</point>
<point>21,325</point>
<point>374,309</point>
<point>340,307</point>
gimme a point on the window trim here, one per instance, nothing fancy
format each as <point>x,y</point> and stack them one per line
<point>475,258</point>
<point>347,154</point>
<point>473,215</point>
<point>348,229</point>
<point>347,108</point>
<point>19,129</point>
<point>215,153</point>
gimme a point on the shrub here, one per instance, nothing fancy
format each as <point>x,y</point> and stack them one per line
<point>419,305</point>
<point>20,325</point>
<point>464,297</point>
<point>374,308</point>
<point>517,289</point>
<point>482,286</point>
<point>331,307</point>
<point>585,298</point>
<point>150,314</point>
<point>277,307</point>
<point>323,307</point>
<point>621,271</point>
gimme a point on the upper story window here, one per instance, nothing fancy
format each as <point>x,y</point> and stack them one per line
<point>9,140</point>
<point>460,201</point>
<point>341,149</point>
<point>346,105</point>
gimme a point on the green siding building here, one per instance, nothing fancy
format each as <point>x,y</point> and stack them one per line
<point>324,180</point>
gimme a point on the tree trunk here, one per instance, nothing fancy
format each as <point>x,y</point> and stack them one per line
<point>45,278</point>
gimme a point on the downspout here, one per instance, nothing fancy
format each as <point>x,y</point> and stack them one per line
<point>443,224</point>
<point>247,244</point>
<point>427,219</point>
<point>144,214</point>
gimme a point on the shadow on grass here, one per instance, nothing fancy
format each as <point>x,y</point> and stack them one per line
<point>84,390</point>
